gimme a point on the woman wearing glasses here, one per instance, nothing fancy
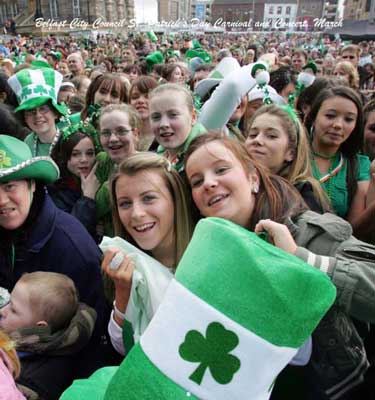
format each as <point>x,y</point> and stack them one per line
<point>119,127</point>
<point>36,91</point>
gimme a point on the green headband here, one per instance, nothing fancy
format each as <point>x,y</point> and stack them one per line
<point>294,117</point>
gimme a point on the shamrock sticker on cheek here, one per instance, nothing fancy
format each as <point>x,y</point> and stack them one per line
<point>211,352</point>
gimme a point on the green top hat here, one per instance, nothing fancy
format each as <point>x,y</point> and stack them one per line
<point>247,307</point>
<point>34,87</point>
<point>16,162</point>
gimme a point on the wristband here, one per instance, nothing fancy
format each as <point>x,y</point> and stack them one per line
<point>117,311</point>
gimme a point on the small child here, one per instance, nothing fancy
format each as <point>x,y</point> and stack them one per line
<point>48,324</point>
<point>40,299</point>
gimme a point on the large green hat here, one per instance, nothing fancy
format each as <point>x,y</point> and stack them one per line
<point>231,320</point>
<point>17,162</point>
<point>34,87</point>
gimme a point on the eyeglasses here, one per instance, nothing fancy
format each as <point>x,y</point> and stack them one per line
<point>348,57</point>
<point>43,109</point>
<point>118,132</point>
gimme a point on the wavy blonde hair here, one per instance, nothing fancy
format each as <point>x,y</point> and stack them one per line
<point>349,69</point>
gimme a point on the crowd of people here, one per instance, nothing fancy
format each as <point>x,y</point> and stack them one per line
<point>114,151</point>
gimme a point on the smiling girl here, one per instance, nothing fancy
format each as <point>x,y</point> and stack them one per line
<point>36,91</point>
<point>277,140</point>
<point>75,191</point>
<point>150,210</point>
<point>226,183</point>
<point>173,121</point>
<point>119,127</point>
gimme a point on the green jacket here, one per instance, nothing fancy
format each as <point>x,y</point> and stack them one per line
<point>103,203</point>
<point>339,360</point>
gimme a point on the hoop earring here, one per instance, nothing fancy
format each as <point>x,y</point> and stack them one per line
<point>312,131</point>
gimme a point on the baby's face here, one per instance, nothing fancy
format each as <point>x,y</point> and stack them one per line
<point>17,313</point>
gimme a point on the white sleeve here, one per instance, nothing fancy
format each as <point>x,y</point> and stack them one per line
<point>217,111</point>
<point>115,333</point>
<point>304,353</point>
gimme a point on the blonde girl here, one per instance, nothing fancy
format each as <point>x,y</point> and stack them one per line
<point>151,210</point>
<point>277,139</point>
<point>173,121</point>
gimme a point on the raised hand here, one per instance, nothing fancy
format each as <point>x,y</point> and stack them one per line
<point>279,235</point>
<point>90,183</point>
<point>122,279</point>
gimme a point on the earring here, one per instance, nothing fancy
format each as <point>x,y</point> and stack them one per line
<point>312,130</point>
<point>255,189</point>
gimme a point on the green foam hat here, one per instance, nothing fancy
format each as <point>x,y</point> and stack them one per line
<point>192,53</point>
<point>34,87</point>
<point>221,335</point>
<point>56,54</point>
<point>312,66</point>
<point>155,58</point>
<point>17,163</point>
<point>151,35</point>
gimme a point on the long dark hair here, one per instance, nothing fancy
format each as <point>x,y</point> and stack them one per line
<point>62,152</point>
<point>277,199</point>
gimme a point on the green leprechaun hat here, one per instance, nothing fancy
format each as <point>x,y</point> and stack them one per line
<point>17,162</point>
<point>34,87</point>
<point>231,320</point>
<point>154,58</point>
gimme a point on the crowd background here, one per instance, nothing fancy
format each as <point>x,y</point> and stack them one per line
<point>88,126</point>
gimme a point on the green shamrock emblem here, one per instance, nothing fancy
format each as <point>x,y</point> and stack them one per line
<point>211,352</point>
<point>4,160</point>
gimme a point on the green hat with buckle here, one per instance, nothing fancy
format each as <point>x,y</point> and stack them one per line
<point>17,162</point>
<point>34,87</point>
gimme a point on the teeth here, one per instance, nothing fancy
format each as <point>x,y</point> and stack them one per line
<point>216,199</point>
<point>144,227</point>
<point>6,210</point>
<point>167,134</point>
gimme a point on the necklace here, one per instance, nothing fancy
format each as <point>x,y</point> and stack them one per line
<point>332,172</point>
<point>53,144</point>
<point>327,177</point>
<point>315,153</point>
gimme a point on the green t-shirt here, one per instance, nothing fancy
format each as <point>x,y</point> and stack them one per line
<point>42,149</point>
<point>336,187</point>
